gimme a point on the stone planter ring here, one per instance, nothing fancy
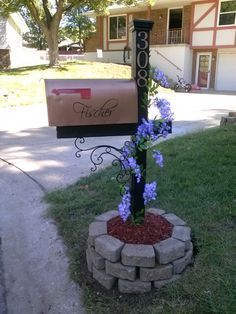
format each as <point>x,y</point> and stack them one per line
<point>137,267</point>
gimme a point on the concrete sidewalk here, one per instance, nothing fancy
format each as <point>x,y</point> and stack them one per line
<point>33,161</point>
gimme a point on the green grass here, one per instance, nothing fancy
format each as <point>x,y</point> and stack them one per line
<point>198,183</point>
<point>25,86</point>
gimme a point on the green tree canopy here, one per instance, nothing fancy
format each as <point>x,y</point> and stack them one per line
<point>35,36</point>
<point>77,26</point>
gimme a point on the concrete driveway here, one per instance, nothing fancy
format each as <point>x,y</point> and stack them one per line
<point>33,161</point>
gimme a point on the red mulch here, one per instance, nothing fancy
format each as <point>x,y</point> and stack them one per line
<point>154,229</point>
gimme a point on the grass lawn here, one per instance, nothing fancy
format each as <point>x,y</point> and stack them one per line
<point>198,183</point>
<point>25,86</point>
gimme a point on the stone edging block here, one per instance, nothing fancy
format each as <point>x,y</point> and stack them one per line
<point>156,211</point>
<point>109,247</point>
<point>107,216</point>
<point>96,229</point>
<point>97,260</point>
<point>181,263</point>
<point>138,255</point>
<point>105,280</point>
<point>160,272</point>
<point>121,271</point>
<point>182,233</point>
<point>169,250</point>
<point>174,220</point>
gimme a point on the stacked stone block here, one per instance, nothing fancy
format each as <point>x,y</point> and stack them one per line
<point>230,119</point>
<point>136,268</point>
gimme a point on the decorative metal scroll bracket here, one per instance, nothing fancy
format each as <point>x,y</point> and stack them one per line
<point>97,154</point>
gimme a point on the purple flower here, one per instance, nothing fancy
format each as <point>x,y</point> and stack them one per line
<point>128,149</point>
<point>128,161</point>
<point>163,129</point>
<point>158,158</point>
<point>135,168</point>
<point>145,131</point>
<point>149,193</point>
<point>124,206</point>
<point>158,74</point>
<point>164,108</point>
<point>161,78</point>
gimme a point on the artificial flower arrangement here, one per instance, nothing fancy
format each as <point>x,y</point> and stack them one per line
<point>148,132</point>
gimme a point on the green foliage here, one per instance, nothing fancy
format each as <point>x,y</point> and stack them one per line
<point>35,37</point>
<point>8,6</point>
<point>229,6</point>
<point>77,26</point>
<point>137,218</point>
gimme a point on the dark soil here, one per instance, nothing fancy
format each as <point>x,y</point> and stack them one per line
<point>154,229</point>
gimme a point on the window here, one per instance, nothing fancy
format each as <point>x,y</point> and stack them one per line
<point>175,26</point>
<point>117,27</point>
<point>227,13</point>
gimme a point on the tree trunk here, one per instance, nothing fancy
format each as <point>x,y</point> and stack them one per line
<point>52,41</point>
<point>49,24</point>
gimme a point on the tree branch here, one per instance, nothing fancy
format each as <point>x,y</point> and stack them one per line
<point>71,5</point>
<point>47,12</point>
<point>59,12</point>
<point>35,12</point>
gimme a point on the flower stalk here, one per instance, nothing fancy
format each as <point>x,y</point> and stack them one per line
<point>134,153</point>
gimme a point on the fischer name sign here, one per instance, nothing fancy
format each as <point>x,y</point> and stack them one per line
<point>78,102</point>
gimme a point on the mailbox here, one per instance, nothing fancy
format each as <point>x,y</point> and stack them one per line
<point>77,102</point>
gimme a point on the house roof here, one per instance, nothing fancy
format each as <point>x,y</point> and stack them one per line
<point>68,43</point>
<point>65,42</point>
<point>141,6</point>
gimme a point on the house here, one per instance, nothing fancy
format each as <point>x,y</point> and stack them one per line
<point>67,46</point>
<point>12,52</point>
<point>192,39</point>
<point>11,31</point>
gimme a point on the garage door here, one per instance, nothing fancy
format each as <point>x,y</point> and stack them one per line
<point>226,72</point>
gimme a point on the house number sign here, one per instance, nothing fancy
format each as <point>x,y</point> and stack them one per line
<point>142,59</point>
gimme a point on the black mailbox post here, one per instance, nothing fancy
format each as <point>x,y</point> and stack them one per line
<point>140,67</point>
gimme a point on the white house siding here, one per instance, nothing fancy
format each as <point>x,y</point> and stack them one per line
<point>105,34</point>
<point>225,37</point>
<point>21,56</point>
<point>107,56</point>
<point>203,38</point>
<point>116,46</point>
<point>91,56</point>
<point>226,70</point>
<point>180,57</point>
<point>3,34</point>
<point>208,21</point>
<point>14,36</point>
<point>205,29</point>
<point>200,9</point>
<point>130,32</point>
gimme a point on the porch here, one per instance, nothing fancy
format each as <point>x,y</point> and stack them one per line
<point>169,37</point>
